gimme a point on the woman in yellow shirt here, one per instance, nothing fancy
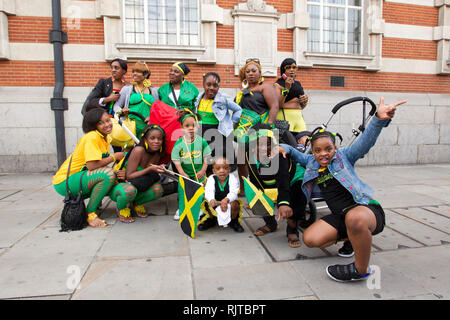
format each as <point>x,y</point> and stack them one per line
<point>91,155</point>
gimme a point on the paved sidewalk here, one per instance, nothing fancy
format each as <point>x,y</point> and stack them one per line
<point>153,259</point>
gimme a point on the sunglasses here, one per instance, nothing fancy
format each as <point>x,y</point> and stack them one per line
<point>253,60</point>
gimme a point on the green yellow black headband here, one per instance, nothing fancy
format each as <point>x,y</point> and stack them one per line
<point>262,133</point>
<point>188,114</point>
<point>182,67</point>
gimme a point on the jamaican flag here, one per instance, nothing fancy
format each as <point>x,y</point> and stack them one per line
<point>258,201</point>
<point>190,194</point>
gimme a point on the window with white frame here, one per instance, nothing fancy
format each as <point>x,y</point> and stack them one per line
<point>162,22</point>
<point>335,26</point>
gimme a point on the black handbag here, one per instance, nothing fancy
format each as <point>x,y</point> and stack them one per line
<point>74,214</point>
<point>282,125</point>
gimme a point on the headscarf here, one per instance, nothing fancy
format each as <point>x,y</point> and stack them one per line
<point>183,67</point>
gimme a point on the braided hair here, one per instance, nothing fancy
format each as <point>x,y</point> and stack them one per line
<point>211,74</point>
<point>145,133</point>
<point>323,134</point>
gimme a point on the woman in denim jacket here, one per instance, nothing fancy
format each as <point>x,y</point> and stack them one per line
<point>217,123</point>
<point>355,214</point>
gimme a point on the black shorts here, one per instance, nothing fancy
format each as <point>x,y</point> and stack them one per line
<point>337,221</point>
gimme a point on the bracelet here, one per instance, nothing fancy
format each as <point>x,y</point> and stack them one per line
<point>114,158</point>
<point>284,92</point>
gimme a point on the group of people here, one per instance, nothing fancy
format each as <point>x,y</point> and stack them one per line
<point>213,124</point>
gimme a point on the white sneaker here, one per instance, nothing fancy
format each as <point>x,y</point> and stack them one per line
<point>177,215</point>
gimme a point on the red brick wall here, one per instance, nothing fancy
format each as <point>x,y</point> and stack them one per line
<point>24,73</point>
<point>40,73</point>
<point>285,40</point>
<point>225,37</point>
<point>36,29</point>
<point>409,49</point>
<point>410,14</point>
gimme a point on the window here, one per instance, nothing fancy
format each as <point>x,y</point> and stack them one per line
<point>162,22</point>
<point>335,26</point>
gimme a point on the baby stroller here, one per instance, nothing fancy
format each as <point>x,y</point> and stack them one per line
<point>311,209</point>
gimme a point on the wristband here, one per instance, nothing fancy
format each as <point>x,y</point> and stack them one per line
<point>284,92</point>
<point>114,158</point>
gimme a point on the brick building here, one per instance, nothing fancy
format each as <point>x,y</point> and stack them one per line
<point>399,49</point>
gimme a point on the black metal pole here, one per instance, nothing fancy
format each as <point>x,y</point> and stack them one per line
<point>58,104</point>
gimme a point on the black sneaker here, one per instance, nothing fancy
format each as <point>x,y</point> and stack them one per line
<point>209,223</point>
<point>345,273</point>
<point>236,226</point>
<point>347,250</point>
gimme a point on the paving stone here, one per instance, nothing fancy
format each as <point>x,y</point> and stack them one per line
<point>392,240</point>
<point>415,230</point>
<point>20,223</point>
<point>220,247</point>
<point>154,236</point>
<point>141,279</point>
<point>426,217</point>
<point>6,193</point>
<point>442,210</point>
<point>392,284</point>
<point>254,282</point>
<point>276,243</point>
<point>426,266</point>
<point>38,265</point>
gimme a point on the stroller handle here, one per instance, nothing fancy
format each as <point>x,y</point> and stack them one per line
<point>355,99</point>
<point>140,116</point>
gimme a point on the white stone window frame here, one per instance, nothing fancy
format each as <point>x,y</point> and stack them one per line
<point>441,34</point>
<point>115,47</point>
<point>373,29</point>
<point>321,5</point>
<point>255,18</point>
<point>7,8</point>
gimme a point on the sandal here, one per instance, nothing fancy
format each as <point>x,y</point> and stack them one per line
<point>140,211</point>
<point>95,222</point>
<point>294,240</point>
<point>125,215</point>
<point>263,230</point>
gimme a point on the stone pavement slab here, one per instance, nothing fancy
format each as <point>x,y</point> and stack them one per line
<point>143,260</point>
<point>416,230</point>
<point>441,210</point>
<point>223,247</point>
<point>38,264</point>
<point>393,284</point>
<point>138,279</point>
<point>426,217</point>
<point>428,267</point>
<point>154,236</point>
<point>255,282</point>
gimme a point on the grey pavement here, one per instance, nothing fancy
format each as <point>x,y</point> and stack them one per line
<point>153,259</point>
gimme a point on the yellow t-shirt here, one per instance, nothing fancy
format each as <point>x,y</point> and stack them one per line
<point>206,112</point>
<point>91,147</point>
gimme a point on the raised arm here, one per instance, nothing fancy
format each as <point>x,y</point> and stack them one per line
<point>369,137</point>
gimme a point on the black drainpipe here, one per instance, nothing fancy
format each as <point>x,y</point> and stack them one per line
<point>58,104</point>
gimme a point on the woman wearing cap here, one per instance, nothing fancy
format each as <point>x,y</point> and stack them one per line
<point>259,104</point>
<point>279,178</point>
<point>291,96</point>
<point>178,92</point>
<point>138,97</point>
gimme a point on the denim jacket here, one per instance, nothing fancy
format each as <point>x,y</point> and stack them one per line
<point>342,163</point>
<point>222,103</point>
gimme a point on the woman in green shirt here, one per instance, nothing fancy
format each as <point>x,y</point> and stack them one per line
<point>138,97</point>
<point>178,92</point>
